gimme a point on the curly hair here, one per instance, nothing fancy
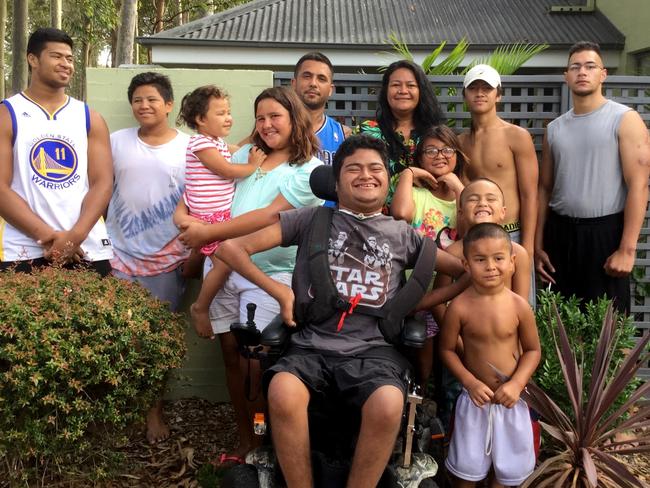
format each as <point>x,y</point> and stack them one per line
<point>427,112</point>
<point>195,104</point>
<point>303,143</point>
<point>449,138</point>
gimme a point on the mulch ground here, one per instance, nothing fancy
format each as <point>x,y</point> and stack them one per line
<point>201,431</point>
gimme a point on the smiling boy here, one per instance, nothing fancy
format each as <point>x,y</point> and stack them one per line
<point>139,218</point>
<point>492,425</point>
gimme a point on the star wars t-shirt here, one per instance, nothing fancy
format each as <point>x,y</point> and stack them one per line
<point>366,259</point>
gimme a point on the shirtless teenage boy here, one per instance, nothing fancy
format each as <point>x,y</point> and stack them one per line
<point>492,424</point>
<point>502,152</point>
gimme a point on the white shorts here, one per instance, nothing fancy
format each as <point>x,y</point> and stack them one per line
<point>230,303</point>
<point>491,435</point>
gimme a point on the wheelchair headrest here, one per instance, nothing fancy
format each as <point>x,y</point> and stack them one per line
<point>323,183</point>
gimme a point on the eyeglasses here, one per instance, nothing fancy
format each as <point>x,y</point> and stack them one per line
<point>433,152</point>
<point>576,67</point>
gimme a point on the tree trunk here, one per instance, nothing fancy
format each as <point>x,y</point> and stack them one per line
<point>126,32</point>
<point>178,18</point>
<point>55,13</point>
<point>19,46</point>
<point>160,12</point>
<point>3,21</point>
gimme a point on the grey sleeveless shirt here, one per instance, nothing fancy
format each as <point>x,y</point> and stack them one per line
<point>587,166</point>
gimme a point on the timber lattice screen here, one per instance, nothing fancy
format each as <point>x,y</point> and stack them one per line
<point>530,101</point>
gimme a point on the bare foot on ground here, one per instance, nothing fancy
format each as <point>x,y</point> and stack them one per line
<point>157,429</point>
<point>201,321</point>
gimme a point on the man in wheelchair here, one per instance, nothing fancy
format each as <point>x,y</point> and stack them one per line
<point>346,325</point>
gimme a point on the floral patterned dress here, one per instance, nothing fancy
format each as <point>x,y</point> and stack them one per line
<point>371,128</point>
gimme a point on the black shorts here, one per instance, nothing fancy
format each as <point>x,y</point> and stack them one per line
<point>103,267</point>
<point>578,249</point>
<point>351,379</point>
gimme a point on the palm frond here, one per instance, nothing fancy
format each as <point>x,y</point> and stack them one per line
<point>507,59</point>
<point>450,64</point>
<point>428,61</point>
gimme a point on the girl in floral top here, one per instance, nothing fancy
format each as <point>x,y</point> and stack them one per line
<point>407,106</point>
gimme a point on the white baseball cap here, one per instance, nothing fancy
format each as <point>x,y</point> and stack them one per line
<point>482,72</point>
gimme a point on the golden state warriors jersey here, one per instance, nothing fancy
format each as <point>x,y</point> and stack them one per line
<point>50,172</point>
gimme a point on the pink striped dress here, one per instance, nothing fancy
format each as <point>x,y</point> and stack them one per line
<point>208,196</point>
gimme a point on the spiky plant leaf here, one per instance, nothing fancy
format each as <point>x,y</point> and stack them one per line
<point>589,467</point>
<point>559,463</point>
<point>585,445</point>
<point>615,470</point>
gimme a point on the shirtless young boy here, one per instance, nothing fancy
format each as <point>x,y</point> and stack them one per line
<point>483,201</point>
<point>492,424</point>
<point>502,152</point>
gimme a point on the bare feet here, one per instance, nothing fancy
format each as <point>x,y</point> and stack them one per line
<point>201,321</point>
<point>157,429</point>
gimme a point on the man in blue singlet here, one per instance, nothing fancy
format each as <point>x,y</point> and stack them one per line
<point>312,81</point>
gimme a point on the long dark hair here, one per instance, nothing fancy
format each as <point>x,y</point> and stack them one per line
<point>427,112</point>
<point>304,144</point>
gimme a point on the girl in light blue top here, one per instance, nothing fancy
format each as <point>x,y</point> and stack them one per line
<point>283,131</point>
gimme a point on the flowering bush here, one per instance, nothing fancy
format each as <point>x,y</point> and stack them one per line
<point>81,358</point>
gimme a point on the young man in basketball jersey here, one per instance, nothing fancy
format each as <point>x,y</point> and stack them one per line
<point>312,82</point>
<point>55,167</point>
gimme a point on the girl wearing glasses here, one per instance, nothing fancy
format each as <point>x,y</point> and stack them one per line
<point>426,193</point>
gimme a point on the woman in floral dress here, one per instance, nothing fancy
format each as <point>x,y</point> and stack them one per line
<point>407,107</point>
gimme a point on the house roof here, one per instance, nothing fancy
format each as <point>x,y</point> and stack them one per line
<point>367,23</point>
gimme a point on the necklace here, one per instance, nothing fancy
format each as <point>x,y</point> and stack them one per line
<point>260,173</point>
<point>359,216</point>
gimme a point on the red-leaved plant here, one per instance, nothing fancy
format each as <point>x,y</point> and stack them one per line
<point>583,449</point>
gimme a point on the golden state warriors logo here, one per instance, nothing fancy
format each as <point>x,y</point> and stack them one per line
<point>53,160</point>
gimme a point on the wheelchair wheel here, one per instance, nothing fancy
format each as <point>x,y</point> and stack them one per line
<point>241,476</point>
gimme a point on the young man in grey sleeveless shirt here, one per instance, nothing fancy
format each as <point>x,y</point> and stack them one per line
<point>593,188</point>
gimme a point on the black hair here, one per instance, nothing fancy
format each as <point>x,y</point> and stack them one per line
<point>448,137</point>
<point>354,143</point>
<point>196,103</point>
<point>159,81</point>
<point>427,113</point>
<point>313,56</point>
<point>463,194</point>
<point>584,46</point>
<point>43,35</point>
<point>485,230</point>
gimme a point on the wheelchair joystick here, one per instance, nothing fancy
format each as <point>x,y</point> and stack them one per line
<point>250,317</point>
<point>247,334</point>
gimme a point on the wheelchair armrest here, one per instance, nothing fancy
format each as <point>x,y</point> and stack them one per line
<point>414,333</point>
<point>275,334</point>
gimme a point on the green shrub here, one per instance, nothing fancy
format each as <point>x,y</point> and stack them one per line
<point>81,358</point>
<point>583,329</point>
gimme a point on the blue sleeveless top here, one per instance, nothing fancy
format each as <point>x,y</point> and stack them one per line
<point>331,136</point>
